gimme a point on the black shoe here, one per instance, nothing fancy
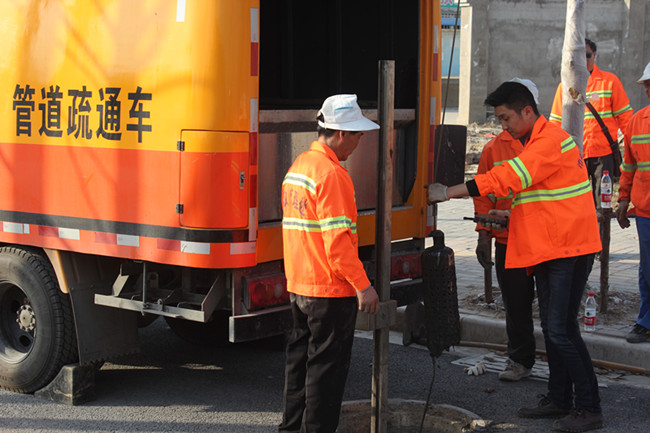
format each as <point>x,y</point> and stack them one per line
<point>579,420</point>
<point>638,334</point>
<point>545,409</point>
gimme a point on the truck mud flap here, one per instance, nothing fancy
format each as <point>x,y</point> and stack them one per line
<point>254,326</point>
<point>102,332</point>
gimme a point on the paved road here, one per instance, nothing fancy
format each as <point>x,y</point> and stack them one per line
<point>173,386</point>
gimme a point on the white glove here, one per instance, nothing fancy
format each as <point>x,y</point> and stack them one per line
<point>437,193</point>
<point>476,370</point>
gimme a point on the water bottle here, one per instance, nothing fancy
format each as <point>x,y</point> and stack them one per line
<point>590,313</point>
<point>606,191</point>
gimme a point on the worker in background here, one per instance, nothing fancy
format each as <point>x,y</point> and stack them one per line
<point>607,95</point>
<point>634,187</point>
<point>517,286</point>
<point>325,278</point>
<point>553,228</point>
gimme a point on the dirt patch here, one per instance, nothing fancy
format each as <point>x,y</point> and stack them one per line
<point>623,307</point>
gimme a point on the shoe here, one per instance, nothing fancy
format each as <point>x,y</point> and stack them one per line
<point>545,409</point>
<point>638,334</point>
<point>514,371</point>
<point>579,420</point>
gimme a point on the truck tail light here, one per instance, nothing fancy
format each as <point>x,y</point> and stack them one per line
<point>265,291</point>
<point>405,266</point>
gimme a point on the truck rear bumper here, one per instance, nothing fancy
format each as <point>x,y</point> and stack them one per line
<point>248,327</point>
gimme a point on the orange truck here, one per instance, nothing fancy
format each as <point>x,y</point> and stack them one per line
<point>142,150</point>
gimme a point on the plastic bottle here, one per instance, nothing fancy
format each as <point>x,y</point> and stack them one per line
<point>606,191</point>
<point>590,313</point>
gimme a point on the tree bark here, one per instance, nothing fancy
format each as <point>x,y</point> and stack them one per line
<point>574,71</point>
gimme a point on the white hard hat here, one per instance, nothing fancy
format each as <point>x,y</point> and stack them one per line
<point>532,88</point>
<point>646,74</point>
<point>342,113</point>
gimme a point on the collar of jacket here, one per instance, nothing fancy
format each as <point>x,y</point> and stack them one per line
<point>317,146</point>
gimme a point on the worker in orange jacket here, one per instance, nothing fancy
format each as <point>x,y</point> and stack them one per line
<point>553,228</point>
<point>607,95</point>
<point>325,278</point>
<point>634,187</point>
<point>517,286</point>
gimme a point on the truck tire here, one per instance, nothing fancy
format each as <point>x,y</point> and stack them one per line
<point>214,333</point>
<point>37,335</point>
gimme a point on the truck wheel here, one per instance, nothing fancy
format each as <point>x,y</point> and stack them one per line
<point>213,333</point>
<point>37,335</point>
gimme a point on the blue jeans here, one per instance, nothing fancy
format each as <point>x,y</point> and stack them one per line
<point>643,228</point>
<point>560,285</point>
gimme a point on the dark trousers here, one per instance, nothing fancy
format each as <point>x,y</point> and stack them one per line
<point>518,292</point>
<point>643,229</point>
<point>318,359</point>
<point>560,285</point>
<point>595,168</point>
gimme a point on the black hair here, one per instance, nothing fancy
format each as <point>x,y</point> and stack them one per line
<point>513,95</point>
<point>325,132</point>
<point>591,44</point>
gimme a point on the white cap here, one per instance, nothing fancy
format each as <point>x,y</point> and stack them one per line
<point>646,74</point>
<point>342,113</point>
<point>532,88</point>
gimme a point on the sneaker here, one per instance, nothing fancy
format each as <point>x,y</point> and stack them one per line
<point>514,371</point>
<point>579,420</point>
<point>545,409</point>
<point>638,334</point>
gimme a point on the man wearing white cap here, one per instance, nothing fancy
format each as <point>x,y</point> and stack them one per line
<point>634,187</point>
<point>325,278</point>
<point>517,286</point>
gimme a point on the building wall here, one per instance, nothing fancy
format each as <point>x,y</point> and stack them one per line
<point>502,39</point>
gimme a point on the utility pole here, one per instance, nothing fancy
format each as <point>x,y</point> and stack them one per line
<point>574,71</point>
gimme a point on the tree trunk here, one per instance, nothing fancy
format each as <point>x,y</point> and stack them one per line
<point>574,71</point>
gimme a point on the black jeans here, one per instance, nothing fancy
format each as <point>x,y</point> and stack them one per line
<point>518,292</point>
<point>318,360</point>
<point>560,285</point>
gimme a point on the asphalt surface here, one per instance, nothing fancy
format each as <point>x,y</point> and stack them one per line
<point>173,386</point>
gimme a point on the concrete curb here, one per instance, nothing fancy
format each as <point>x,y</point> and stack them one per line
<point>606,346</point>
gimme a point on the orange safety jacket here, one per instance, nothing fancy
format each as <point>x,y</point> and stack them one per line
<point>319,227</point>
<point>498,150</point>
<point>634,184</point>
<point>606,94</point>
<point>553,214</point>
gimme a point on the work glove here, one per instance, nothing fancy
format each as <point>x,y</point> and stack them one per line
<point>484,250</point>
<point>476,370</point>
<point>437,193</point>
<point>621,213</point>
<point>498,213</point>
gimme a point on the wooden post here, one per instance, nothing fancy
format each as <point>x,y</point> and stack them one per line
<point>604,258</point>
<point>574,71</point>
<point>383,228</point>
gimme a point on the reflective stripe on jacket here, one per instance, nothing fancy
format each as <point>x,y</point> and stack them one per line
<point>498,150</point>
<point>319,227</point>
<point>553,214</point>
<point>606,94</point>
<point>635,169</point>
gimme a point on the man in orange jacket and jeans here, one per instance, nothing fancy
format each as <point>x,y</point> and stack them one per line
<point>325,278</point>
<point>553,228</point>
<point>635,188</point>
<point>517,286</point>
